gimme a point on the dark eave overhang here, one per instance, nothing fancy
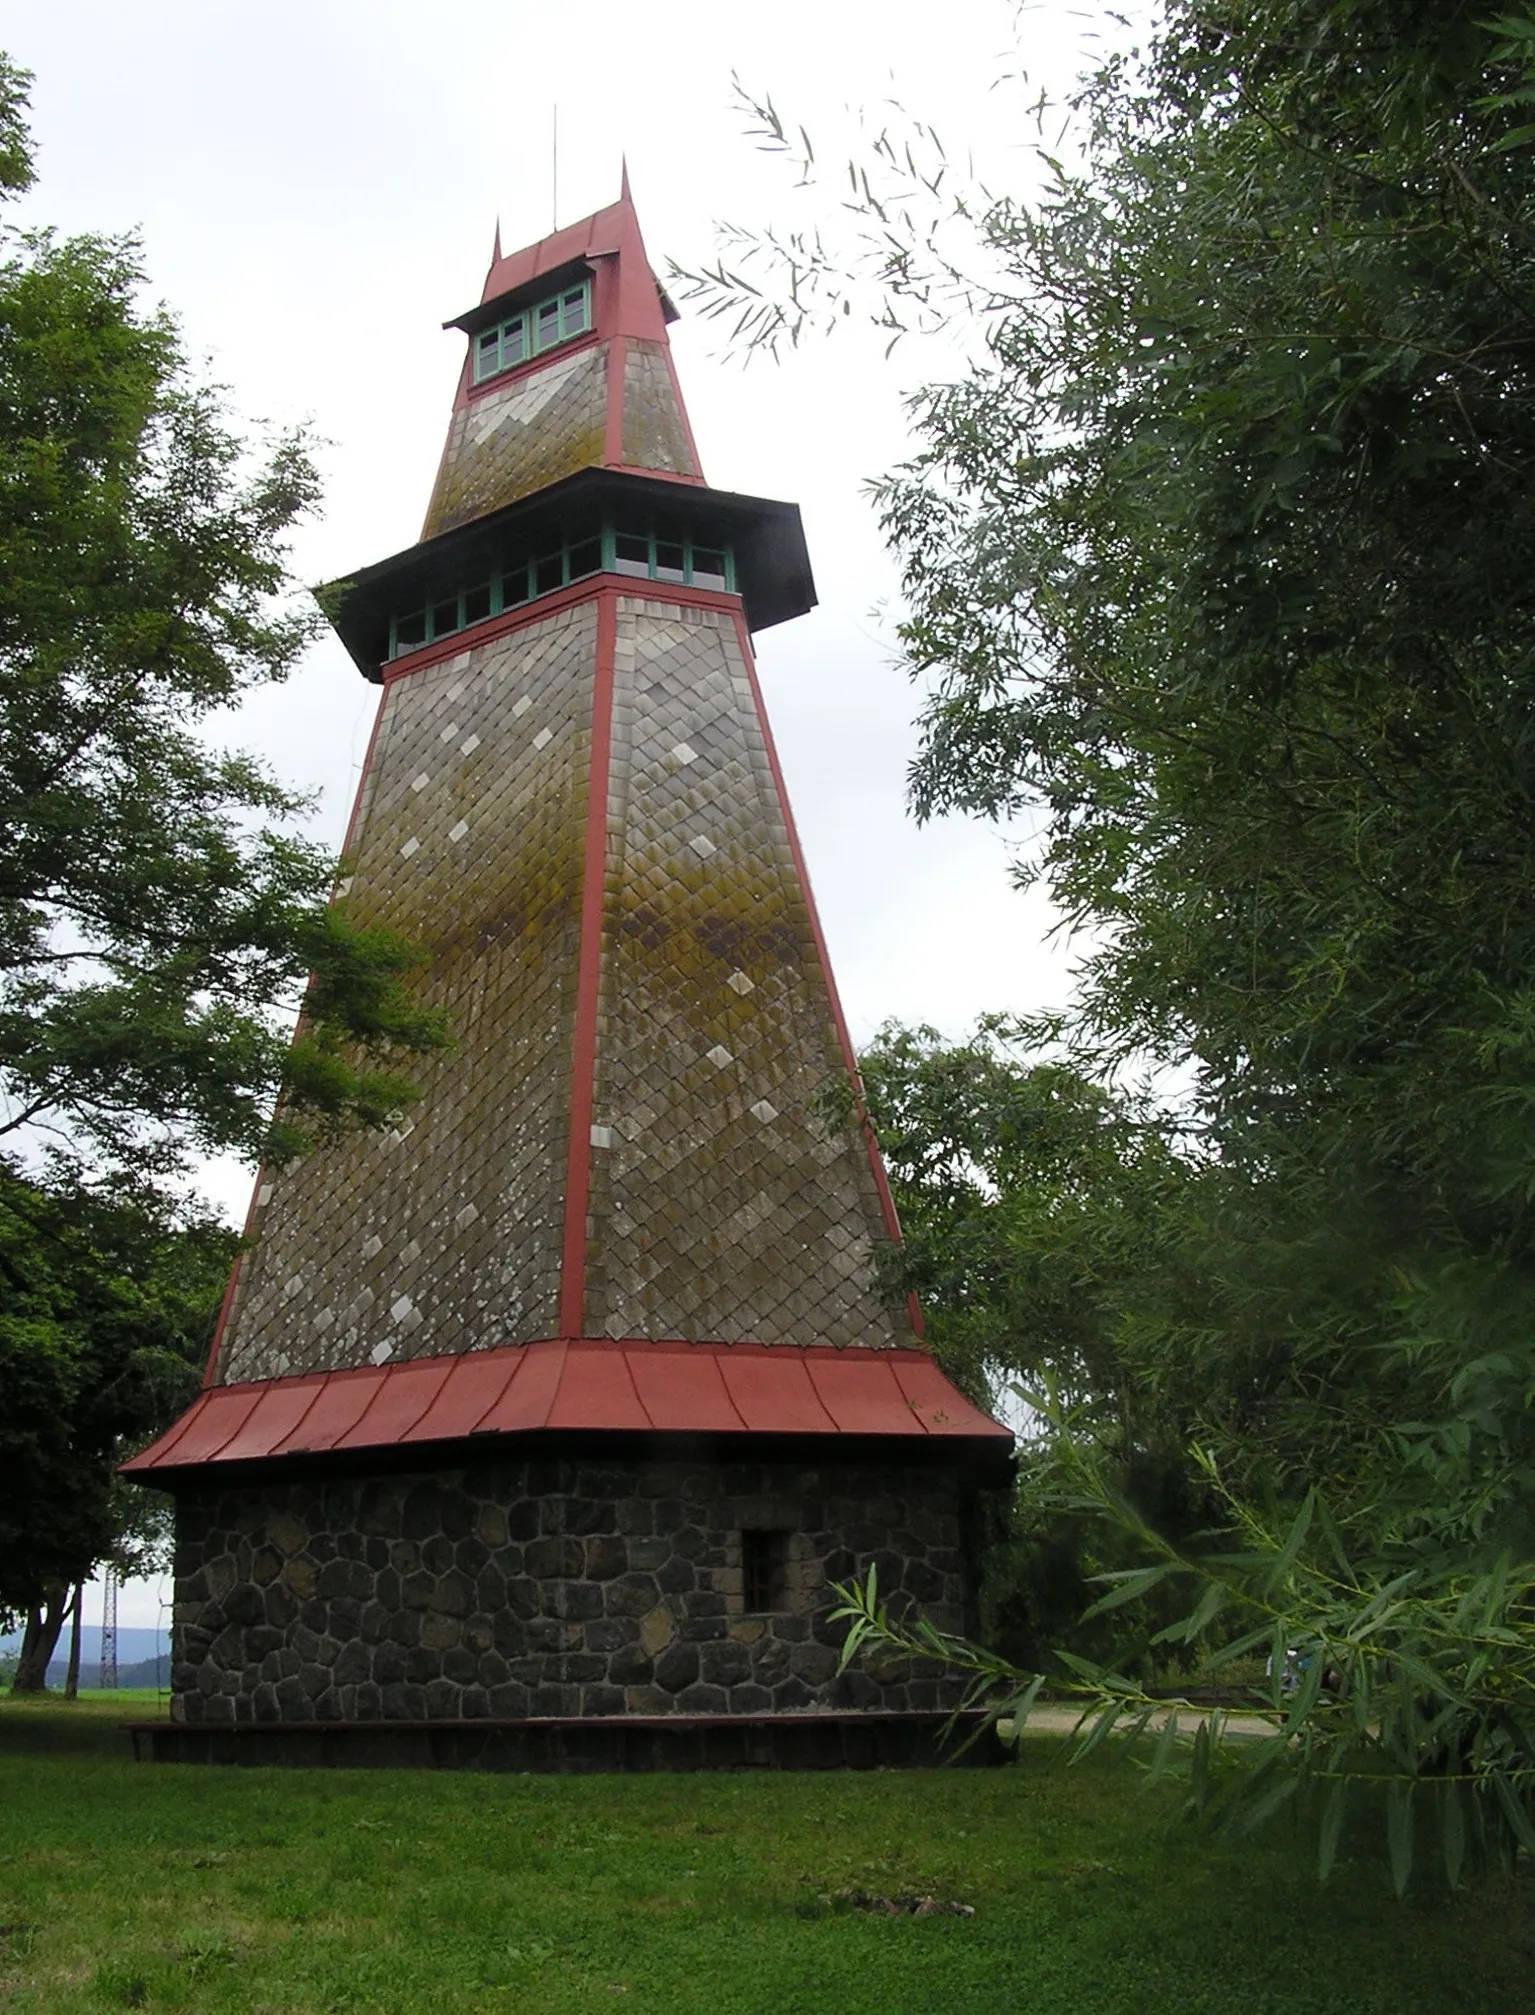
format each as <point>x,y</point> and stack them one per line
<point>486,313</point>
<point>499,306</point>
<point>768,539</point>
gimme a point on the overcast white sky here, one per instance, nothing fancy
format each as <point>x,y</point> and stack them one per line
<point>316,186</point>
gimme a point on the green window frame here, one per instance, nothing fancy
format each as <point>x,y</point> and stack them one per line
<point>667,556</point>
<point>542,325</point>
<point>554,563</point>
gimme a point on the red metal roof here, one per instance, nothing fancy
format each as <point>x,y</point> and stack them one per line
<point>590,1384</point>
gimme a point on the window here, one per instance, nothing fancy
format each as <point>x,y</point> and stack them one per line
<point>670,555</point>
<point>557,560</point>
<point>764,1569</point>
<point>533,330</point>
<point>523,576</point>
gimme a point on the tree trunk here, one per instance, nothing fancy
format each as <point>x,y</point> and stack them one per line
<point>38,1642</point>
<point>72,1681</point>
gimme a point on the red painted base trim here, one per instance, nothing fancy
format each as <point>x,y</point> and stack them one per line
<point>549,605</point>
<point>586,1385</point>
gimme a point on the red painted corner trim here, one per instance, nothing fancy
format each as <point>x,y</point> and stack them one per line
<point>844,1036</point>
<point>613,414</point>
<point>687,424</point>
<point>588,974</point>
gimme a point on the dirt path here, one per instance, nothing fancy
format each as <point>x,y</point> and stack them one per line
<point>1053,1720</point>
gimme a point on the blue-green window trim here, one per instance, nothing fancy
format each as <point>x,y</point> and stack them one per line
<point>555,564</point>
<point>542,325</point>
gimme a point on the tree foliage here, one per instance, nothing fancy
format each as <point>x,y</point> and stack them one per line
<point>1222,555</point>
<point>160,917</point>
<point>106,1311</point>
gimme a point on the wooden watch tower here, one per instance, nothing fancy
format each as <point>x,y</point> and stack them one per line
<point>537,1427</point>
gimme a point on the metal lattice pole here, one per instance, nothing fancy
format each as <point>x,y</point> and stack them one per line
<point>109,1629</point>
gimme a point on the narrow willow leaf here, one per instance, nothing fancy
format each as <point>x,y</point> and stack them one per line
<point>1289,1553</point>
<point>1108,1716</point>
<point>1399,1831</point>
<point>1199,1773</point>
<point>1133,1582</point>
<point>1517,1814</point>
<point>1452,1823</point>
<point>1167,1743</point>
<point>1332,1827</point>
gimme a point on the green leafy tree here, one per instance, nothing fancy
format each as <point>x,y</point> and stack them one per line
<point>107,1302</point>
<point>158,916</point>
<point>1048,1225</point>
<point>1221,555</point>
<point>160,919</point>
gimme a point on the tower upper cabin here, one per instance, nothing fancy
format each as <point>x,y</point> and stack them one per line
<point>569,453</point>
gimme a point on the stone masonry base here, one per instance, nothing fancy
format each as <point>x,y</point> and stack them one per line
<point>559,1589</point>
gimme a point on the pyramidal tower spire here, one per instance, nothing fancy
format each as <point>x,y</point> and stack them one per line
<point>589,1351</point>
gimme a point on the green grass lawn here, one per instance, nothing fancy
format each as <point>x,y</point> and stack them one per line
<point>290,1893</point>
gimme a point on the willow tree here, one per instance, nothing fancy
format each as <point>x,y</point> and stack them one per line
<point>1221,557</point>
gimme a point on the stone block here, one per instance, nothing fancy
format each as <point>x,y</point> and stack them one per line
<point>280,1606</point>
<point>460,1665</point>
<point>555,1559</point>
<point>702,1700</point>
<point>631,1594</point>
<point>442,1700</point>
<point>471,1555</point>
<point>657,1628</point>
<point>724,1663</point>
<point>421,1514</point>
<point>607,1556</point>
<point>584,1668</point>
<point>646,1700</point>
<point>790,1695</point>
<point>814,1663</point>
<point>674,1576</point>
<point>676,1668</point>
<point>612,1633</point>
<point>389,1664</point>
<point>437,1554</point>
<point>454,1594</point>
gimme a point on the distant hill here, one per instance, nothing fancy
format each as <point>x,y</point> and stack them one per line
<point>135,1643</point>
<point>145,1672</point>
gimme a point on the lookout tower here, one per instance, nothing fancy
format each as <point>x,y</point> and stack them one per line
<point>537,1427</point>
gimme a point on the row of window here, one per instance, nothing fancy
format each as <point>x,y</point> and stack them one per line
<point>533,330</point>
<point>538,571</point>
